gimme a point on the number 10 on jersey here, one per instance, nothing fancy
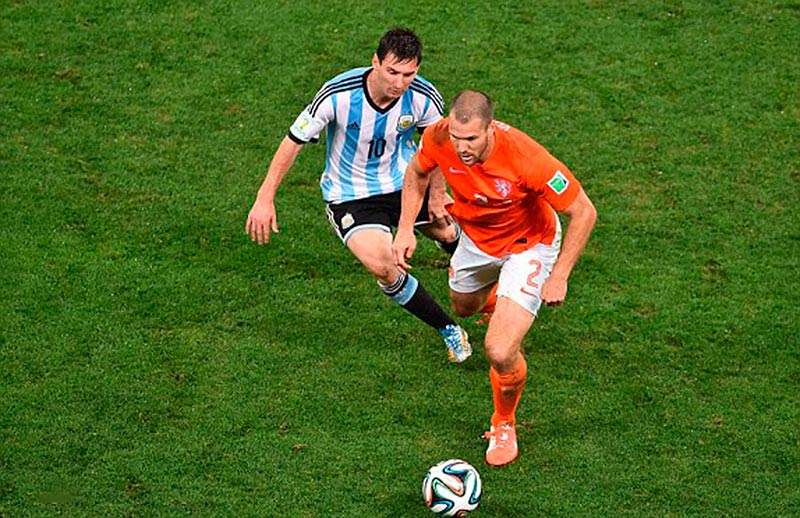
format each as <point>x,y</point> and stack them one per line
<point>377,147</point>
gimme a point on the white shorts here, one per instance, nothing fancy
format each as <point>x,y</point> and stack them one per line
<point>519,276</point>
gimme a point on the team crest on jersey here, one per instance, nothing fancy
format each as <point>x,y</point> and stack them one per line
<point>503,187</point>
<point>558,182</point>
<point>405,122</point>
<point>347,220</point>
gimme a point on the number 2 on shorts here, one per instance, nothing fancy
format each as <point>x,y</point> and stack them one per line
<point>531,282</point>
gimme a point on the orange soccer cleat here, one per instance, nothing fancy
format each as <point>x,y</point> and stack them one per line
<point>502,444</point>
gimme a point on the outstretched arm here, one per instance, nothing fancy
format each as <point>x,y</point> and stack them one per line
<point>414,184</point>
<point>262,218</point>
<point>582,216</point>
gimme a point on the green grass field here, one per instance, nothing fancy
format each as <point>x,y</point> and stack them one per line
<point>154,362</point>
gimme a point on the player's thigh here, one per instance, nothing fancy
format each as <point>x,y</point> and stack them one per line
<point>472,275</point>
<point>373,248</point>
<point>364,226</point>
<point>468,304</point>
<point>350,217</point>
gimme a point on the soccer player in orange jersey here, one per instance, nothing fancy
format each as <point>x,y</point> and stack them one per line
<point>506,189</point>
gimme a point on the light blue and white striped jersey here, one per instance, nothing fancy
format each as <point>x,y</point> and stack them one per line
<point>368,148</point>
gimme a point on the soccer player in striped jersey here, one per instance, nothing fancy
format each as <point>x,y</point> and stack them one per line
<point>370,115</point>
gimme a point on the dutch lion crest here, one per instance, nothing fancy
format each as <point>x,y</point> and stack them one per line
<point>503,187</point>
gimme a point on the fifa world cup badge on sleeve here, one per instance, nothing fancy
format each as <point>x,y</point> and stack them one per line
<point>558,182</point>
<point>302,126</point>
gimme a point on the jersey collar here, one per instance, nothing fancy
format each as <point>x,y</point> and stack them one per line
<point>369,98</point>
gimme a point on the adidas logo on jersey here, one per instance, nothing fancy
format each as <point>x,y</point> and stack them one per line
<point>353,126</point>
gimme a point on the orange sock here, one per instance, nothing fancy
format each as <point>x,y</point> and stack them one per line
<point>507,389</point>
<point>491,301</point>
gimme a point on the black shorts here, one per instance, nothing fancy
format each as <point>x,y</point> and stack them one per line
<point>381,211</point>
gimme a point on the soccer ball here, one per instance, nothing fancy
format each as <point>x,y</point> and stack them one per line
<point>452,488</point>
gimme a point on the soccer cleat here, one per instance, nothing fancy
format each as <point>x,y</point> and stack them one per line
<point>502,444</point>
<point>457,342</point>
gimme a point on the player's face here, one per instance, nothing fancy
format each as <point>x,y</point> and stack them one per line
<point>393,77</point>
<point>472,140</point>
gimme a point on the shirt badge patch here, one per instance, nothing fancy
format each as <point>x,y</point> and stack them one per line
<point>558,182</point>
<point>347,220</point>
<point>405,122</point>
<point>302,125</point>
<point>503,187</point>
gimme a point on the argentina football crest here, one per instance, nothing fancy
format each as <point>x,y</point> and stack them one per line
<point>405,122</point>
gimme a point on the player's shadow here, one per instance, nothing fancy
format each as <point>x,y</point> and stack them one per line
<point>411,505</point>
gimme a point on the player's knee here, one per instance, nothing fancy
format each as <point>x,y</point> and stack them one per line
<point>501,355</point>
<point>441,233</point>
<point>384,273</point>
<point>463,308</point>
<point>448,234</point>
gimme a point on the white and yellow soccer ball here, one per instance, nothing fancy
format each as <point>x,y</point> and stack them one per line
<point>452,488</point>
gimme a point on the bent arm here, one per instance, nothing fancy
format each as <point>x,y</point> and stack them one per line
<point>438,198</point>
<point>582,216</point>
<point>415,183</point>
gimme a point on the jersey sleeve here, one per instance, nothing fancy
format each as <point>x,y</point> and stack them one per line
<point>553,180</point>
<point>310,123</point>
<point>432,109</point>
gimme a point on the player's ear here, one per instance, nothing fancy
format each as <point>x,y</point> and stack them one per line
<point>375,61</point>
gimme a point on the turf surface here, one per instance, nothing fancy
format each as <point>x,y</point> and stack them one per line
<point>154,362</point>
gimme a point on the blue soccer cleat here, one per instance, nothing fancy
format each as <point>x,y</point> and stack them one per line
<point>457,342</point>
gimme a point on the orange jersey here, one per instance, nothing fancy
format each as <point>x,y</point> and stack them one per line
<point>505,204</point>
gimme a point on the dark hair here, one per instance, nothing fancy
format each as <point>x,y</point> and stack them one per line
<point>472,103</point>
<point>401,42</point>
